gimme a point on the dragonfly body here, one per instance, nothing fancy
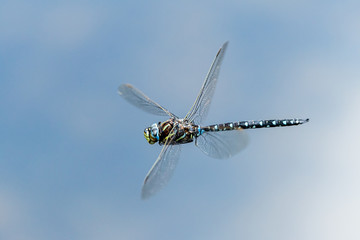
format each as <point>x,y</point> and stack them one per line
<point>185,132</point>
<point>217,141</point>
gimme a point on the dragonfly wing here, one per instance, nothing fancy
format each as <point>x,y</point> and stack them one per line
<point>162,170</point>
<point>140,100</point>
<point>200,108</point>
<point>222,144</point>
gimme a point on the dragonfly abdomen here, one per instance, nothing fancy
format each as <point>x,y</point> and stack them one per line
<point>254,124</point>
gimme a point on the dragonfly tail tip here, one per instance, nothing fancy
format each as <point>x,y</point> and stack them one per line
<point>305,120</point>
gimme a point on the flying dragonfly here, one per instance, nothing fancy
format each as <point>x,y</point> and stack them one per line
<point>217,140</point>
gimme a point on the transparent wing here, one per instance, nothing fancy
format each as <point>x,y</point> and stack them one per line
<point>140,100</point>
<point>162,170</point>
<point>222,144</point>
<point>199,110</point>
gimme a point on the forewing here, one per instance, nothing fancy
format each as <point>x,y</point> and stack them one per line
<point>140,100</point>
<point>162,170</point>
<point>199,110</point>
<point>222,144</point>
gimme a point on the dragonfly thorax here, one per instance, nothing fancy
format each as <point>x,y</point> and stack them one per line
<point>176,131</point>
<point>152,133</point>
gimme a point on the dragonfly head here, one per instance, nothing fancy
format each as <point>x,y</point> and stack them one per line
<point>152,133</point>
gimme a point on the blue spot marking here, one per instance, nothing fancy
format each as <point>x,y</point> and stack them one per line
<point>200,130</point>
<point>157,135</point>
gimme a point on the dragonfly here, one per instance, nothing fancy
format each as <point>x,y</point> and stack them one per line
<point>218,140</point>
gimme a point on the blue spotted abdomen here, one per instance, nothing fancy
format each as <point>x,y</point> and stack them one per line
<point>254,124</point>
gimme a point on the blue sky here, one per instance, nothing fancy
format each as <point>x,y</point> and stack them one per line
<point>73,156</point>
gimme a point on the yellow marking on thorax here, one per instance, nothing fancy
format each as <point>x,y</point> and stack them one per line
<point>183,136</point>
<point>166,126</point>
<point>169,135</point>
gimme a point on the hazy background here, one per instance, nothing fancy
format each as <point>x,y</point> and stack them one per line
<point>72,152</point>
